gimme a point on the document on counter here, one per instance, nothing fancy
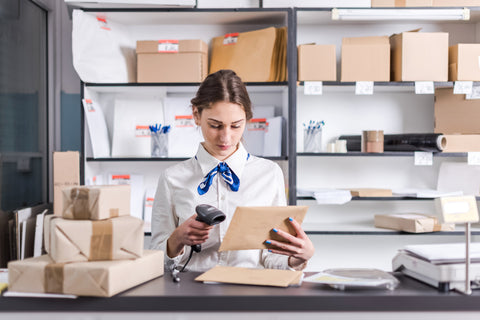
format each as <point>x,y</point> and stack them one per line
<point>250,276</point>
<point>251,226</point>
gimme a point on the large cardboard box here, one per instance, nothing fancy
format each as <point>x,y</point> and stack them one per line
<point>456,3</point>
<point>454,114</point>
<point>365,59</point>
<point>173,61</point>
<point>411,222</point>
<point>419,56</point>
<point>402,3</point>
<point>96,202</point>
<point>256,56</point>
<point>464,62</point>
<point>317,62</point>
<point>97,278</point>
<point>84,240</point>
<point>66,173</point>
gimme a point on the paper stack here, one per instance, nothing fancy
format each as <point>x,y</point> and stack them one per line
<point>94,249</point>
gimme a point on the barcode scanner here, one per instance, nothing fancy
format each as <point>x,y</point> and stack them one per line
<point>209,215</point>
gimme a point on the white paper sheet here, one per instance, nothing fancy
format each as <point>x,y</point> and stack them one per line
<point>137,190</point>
<point>147,208</point>
<point>326,195</point>
<point>254,136</point>
<point>273,138</point>
<point>131,135</point>
<point>97,128</point>
<point>184,136</point>
<point>37,249</point>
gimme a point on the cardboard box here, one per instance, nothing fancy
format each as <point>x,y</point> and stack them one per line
<point>256,56</point>
<point>402,3</point>
<point>84,240</point>
<point>464,62</point>
<point>365,59</point>
<point>419,56</point>
<point>454,114</point>
<point>456,3</point>
<point>317,62</point>
<point>411,222</point>
<point>66,173</point>
<point>96,202</point>
<point>462,143</point>
<point>180,61</point>
<point>370,192</point>
<point>98,278</point>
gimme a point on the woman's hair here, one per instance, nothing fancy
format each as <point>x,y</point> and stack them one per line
<point>223,85</point>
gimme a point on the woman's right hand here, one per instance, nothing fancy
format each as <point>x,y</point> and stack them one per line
<point>189,233</point>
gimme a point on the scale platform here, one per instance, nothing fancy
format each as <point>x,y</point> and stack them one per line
<point>444,276</point>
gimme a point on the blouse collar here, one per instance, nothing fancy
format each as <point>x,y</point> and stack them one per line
<point>236,161</point>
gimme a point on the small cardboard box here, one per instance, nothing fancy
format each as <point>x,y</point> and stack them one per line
<point>454,114</point>
<point>419,56</point>
<point>411,222</point>
<point>317,62</point>
<point>84,240</point>
<point>462,143</point>
<point>464,62</point>
<point>402,3</point>
<point>172,61</point>
<point>365,59</point>
<point>96,202</point>
<point>66,173</point>
<point>370,192</point>
<point>97,278</point>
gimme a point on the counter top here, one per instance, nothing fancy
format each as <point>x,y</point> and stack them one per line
<point>162,294</point>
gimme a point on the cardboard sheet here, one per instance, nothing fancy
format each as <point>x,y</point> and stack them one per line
<point>259,277</point>
<point>98,278</point>
<point>251,226</point>
<point>83,240</point>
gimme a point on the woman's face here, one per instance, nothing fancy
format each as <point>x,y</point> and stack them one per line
<point>222,128</point>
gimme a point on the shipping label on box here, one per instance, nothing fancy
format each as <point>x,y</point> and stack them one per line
<point>66,173</point>
<point>464,62</point>
<point>83,240</point>
<point>419,56</point>
<point>97,278</point>
<point>365,59</point>
<point>317,62</point>
<point>172,60</point>
<point>411,222</point>
<point>96,202</point>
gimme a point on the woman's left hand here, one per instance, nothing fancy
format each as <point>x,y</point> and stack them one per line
<point>299,248</point>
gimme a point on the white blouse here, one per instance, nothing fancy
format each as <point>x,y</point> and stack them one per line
<point>261,184</point>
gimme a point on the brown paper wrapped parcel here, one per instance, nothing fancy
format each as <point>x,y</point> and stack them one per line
<point>96,202</point>
<point>98,278</point>
<point>84,240</point>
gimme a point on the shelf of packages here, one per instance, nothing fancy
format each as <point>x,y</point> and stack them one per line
<point>90,159</point>
<point>178,87</point>
<point>379,154</point>
<point>369,229</point>
<point>399,198</point>
<point>388,86</point>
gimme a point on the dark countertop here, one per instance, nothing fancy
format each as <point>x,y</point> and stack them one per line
<point>162,294</point>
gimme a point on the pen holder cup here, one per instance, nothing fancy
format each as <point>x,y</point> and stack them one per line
<point>312,140</point>
<point>159,144</point>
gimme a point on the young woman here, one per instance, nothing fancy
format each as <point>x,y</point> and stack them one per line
<point>222,174</point>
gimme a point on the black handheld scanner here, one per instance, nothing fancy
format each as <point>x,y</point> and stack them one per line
<point>209,215</point>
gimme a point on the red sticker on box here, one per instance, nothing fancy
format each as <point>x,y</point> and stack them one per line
<point>168,46</point>
<point>102,21</point>
<point>230,38</point>
<point>142,131</point>
<point>184,121</point>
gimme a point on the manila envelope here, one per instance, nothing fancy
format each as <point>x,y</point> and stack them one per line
<point>259,277</point>
<point>251,226</point>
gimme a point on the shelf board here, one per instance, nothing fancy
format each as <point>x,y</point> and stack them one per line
<point>382,154</point>
<point>91,159</point>
<point>379,87</point>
